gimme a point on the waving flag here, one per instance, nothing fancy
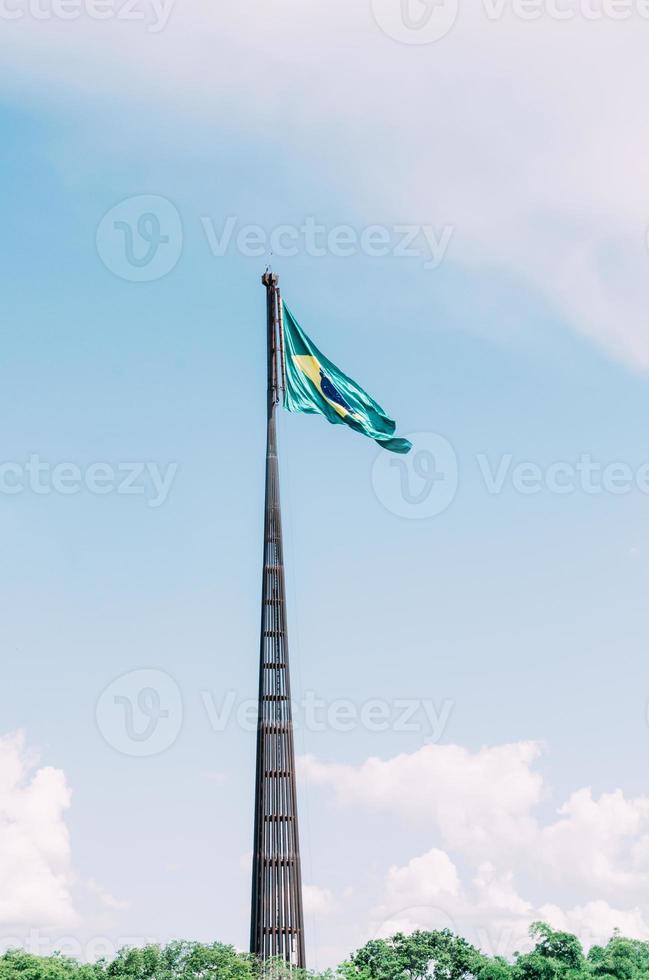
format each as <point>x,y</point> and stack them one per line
<point>315,385</point>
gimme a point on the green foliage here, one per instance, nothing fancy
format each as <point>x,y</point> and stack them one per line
<point>556,956</point>
<point>621,959</point>
<point>442,956</point>
<point>180,961</point>
<point>438,955</point>
<point>495,969</point>
<point>17,965</point>
<point>420,956</point>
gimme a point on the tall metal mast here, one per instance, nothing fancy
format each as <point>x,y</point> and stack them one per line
<point>277,918</point>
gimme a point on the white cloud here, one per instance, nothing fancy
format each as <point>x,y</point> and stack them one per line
<point>487,909</point>
<point>496,863</point>
<point>317,901</point>
<point>39,888</point>
<point>594,922</point>
<point>527,136</point>
<point>35,860</point>
<point>421,895</point>
<point>105,898</point>
<point>594,842</point>
<point>428,893</point>
<point>476,799</point>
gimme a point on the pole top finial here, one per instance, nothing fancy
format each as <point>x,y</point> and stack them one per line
<point>269,278</point>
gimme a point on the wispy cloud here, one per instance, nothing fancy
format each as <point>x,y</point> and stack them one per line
<point>527,137</point>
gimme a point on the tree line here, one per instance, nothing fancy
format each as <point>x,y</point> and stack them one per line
<point>438,955</point>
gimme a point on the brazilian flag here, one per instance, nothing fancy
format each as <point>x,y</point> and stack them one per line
<point>315,385</point>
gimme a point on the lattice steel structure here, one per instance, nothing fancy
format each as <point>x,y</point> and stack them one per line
<point>277,918</point>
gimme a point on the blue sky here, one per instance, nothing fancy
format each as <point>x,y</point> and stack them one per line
<point>522,613</point>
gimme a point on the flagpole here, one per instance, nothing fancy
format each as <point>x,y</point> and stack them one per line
<point>282,364</point>
<point>277,916</point>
